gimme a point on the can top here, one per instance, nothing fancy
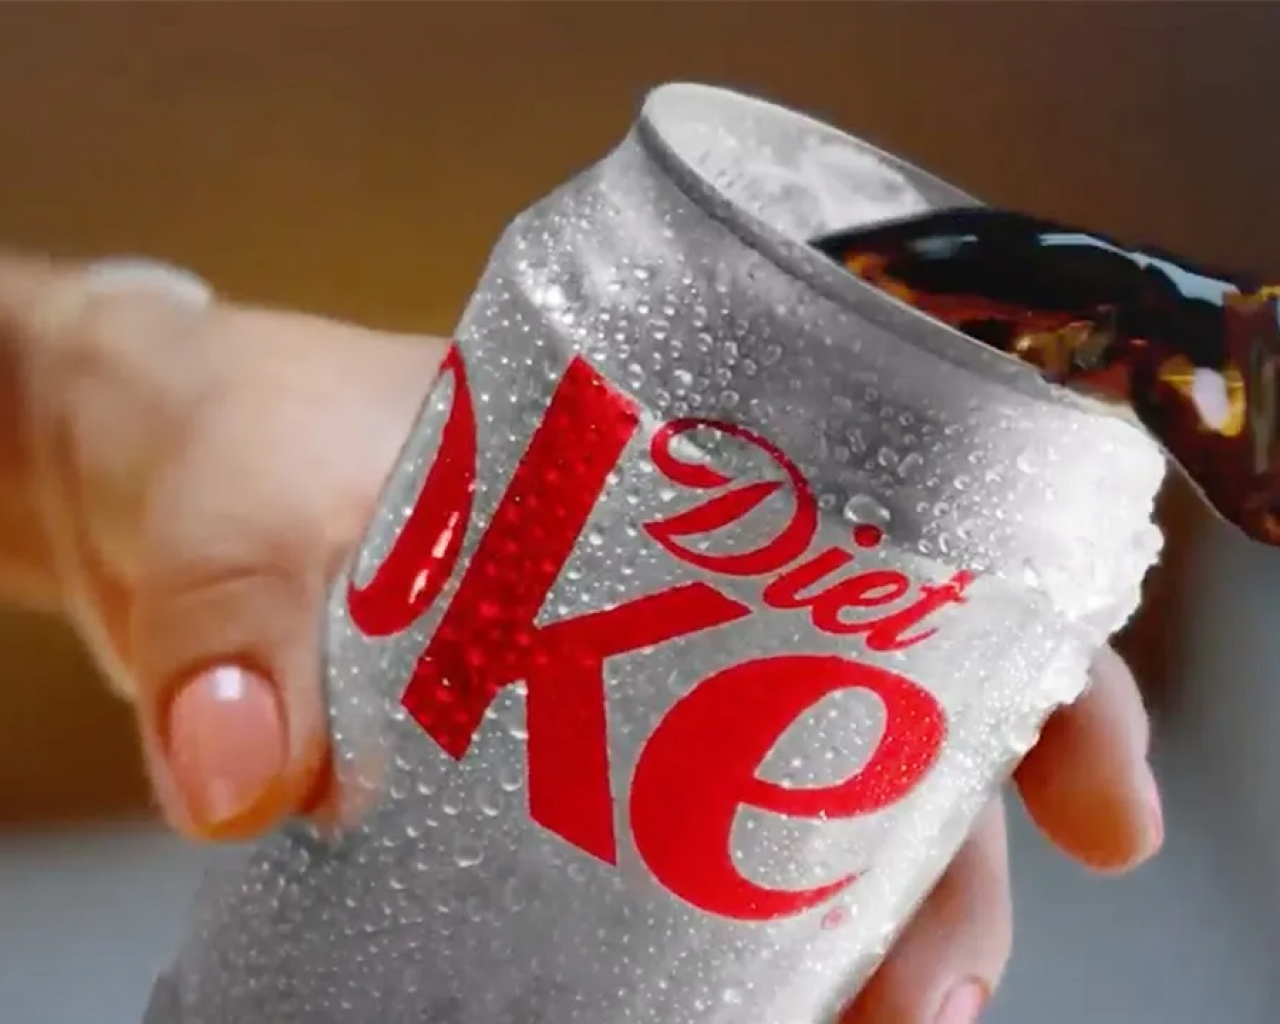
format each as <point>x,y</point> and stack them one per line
<point>778,179</point>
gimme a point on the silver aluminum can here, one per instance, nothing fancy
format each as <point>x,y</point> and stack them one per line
<point>713,596</point>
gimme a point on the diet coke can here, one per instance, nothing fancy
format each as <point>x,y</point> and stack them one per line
<point>713,596</point>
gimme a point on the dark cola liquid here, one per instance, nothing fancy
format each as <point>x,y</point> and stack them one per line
<point>1194,353</point>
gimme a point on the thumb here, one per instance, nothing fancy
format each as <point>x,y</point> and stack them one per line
<point>227,665</point>
<point>246,524</point>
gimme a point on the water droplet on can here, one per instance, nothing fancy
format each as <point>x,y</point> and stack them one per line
<point>866,510</point>
<point>468,852</point>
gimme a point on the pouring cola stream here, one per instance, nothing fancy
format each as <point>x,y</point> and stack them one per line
<point>1192,354</point>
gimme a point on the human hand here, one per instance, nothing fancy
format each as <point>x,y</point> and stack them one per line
<point>202,471</point>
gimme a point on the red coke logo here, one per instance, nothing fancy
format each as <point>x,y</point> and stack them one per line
<point>700,765</point>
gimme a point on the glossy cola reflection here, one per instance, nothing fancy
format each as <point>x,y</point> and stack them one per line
<point>1192,352</point>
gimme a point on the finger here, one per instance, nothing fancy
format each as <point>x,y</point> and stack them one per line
<point>949,959</point>
<point>246,528</point>
<point>1087,784</point>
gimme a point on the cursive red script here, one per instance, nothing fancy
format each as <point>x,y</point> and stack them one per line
<point>701,763</point>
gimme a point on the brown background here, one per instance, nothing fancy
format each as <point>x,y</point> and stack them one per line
<point>360,159</point>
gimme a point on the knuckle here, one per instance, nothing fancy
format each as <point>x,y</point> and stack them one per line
<point>202,615</point>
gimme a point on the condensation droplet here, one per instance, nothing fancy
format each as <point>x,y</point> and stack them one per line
<point>1031,575</point>
<point>509,777</point>
<point>468,852</point>
<point>910,463</point>
<point>863,508</point>
<point>513,894</point>
<point>490,801</point>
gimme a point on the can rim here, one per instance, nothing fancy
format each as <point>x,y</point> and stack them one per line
<point>668,106</point>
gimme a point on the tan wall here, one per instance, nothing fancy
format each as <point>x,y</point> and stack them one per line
<point>361,158</point>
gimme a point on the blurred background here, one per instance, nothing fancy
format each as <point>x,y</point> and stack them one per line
<point>359,159</point>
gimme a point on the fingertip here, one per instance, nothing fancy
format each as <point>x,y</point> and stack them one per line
<point>1087,784</point>
<point>1119,831</point>
<point>228,758</point>
<point>226,743</point>
<point>965,1002</point>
